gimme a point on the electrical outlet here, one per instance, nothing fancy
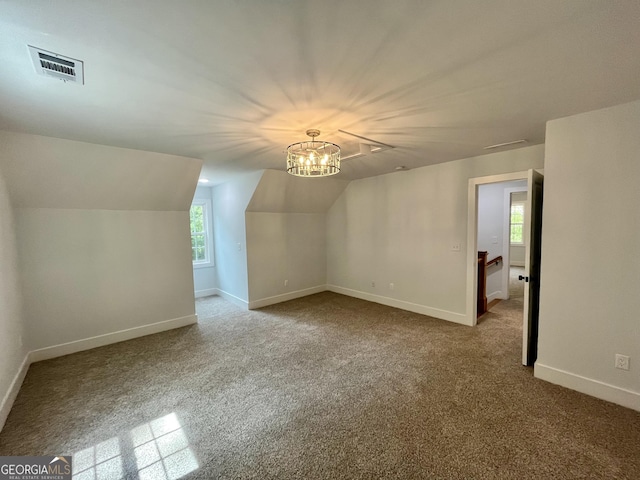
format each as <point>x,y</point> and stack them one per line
<point>286,282</point>
<point>622,361</point>
<point>239,247</point>
<point>373,284</point>
<point>455,247</point>
<point>391,286</point>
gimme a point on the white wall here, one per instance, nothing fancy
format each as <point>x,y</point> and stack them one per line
<point>12,331</point>
<point>589,302</point>
<point>286,236</point>
<point>399,228</point>
<point>103,240</point>
<point>491,233</point>
<point>517,255</point>
<point>93,272</point>
<point>285,246</point>
<point>230,201</point>
<point>204,276</point>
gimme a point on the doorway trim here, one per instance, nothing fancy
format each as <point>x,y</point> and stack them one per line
<point>472,236</point>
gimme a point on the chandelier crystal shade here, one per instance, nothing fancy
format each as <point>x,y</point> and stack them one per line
<point>313,158</point>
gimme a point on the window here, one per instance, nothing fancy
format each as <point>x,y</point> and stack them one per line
<point>517,223</point>
<point>201,251</point>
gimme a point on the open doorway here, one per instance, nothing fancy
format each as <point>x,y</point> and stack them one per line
<point>531,232</point>
<point>499,243</point>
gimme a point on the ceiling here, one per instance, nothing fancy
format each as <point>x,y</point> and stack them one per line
<point>233,82</point>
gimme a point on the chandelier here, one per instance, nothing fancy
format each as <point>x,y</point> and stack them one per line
<point>313,158</point>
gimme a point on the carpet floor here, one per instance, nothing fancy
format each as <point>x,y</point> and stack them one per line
<point>326,386</point>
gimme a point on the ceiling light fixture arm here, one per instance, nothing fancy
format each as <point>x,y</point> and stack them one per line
<point>367,139</point>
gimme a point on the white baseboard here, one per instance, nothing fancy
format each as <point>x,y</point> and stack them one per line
<point>109,338</point>
<point>409,306</point>
<point>12,393</point>
<point>79,346</point>
<point>516,263</point>
<point>595,388</point>
<point>206,292</point>
<point>495,296</point>
<point>233,299</point>
<point>263,302</point>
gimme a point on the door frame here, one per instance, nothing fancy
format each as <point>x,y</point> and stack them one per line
<point>472,236</point>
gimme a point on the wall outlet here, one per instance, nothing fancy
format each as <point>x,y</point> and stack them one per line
<point>622,361</point>
<point>494,240</point>
<point>286,282</point>
<point>239,247</point>
<point>455,247</point>
<point>391,286</point>
<point>373,284</point>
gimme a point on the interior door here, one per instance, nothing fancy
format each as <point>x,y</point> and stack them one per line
<point>532,236</point>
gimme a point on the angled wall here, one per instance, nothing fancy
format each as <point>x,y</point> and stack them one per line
<point>279,192</point>
<point>103,240</point>
<point>230,202</point>
<point>399,229</point>
<point>589,302</point>
<point>45,172</point>
<point>286,239</point>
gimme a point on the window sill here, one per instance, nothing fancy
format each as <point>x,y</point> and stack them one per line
<point>203,265</point>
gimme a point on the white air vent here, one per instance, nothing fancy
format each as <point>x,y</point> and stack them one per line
<point>57,66</point>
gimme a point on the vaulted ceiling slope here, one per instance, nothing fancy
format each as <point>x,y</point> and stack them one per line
<point>279,192</point>
<point>233,82</point>
<point>44,172</point>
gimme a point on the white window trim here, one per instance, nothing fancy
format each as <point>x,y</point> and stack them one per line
<point>209,262</point>
<point>518,202</point>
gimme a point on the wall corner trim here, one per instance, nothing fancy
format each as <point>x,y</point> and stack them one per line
<point>263,302</point>
<point>12,393</point>
<point>460,318</point>
<point>495,296</point>
<point>109,338</point>
<point>589,386</point>
<point>233,299</point>
<point>206,292</point>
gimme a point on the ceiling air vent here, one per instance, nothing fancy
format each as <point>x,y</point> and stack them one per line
<point>57,66</point>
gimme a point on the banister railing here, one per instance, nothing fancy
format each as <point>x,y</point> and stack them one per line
<point>482,283</point>
<point>482,279</point>
<point>495,261</point>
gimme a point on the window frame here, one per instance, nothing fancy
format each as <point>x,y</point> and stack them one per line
<point>208,234</point>
<point>524,207</point>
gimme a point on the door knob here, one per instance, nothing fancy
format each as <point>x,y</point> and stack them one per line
<point>520,277</point>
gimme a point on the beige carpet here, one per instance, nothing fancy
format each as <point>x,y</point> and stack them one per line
<point>322,387</point>
<point>516,287</point>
